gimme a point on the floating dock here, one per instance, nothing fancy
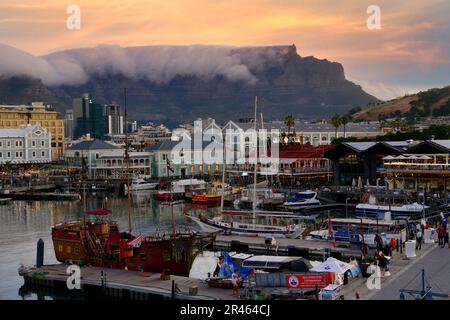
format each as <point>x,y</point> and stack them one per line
<point>43,196</point>
<point>122,284</point>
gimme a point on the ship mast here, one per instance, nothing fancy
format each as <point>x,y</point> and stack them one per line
<point>127,161</point>
<point>256,163</point>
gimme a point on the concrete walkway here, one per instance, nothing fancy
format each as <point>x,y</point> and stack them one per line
<point>402,271</point>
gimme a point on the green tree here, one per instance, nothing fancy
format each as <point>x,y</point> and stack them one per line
<point>344,121</point>
<point>289,122</point>
<point>336,122</point>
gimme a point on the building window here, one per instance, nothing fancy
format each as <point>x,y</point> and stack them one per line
<point>8,144</point>
<point>193,168</point>
<point>200,168</point>
<point>1,154</point>
<point>43,153</point>
<point>17,154</point>
<point>8,154</point>
<point>1,144</point>
<point>20,154</point>
<point>164,156</point>
<point>33,143</point>
<point>43,143</point>
<point>34,154</point>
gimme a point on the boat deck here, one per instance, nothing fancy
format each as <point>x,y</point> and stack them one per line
<point>257,244</point>
<point>139,287</point>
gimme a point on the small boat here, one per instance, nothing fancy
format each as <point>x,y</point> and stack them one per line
<point>301,200</point>
<point>241,228</point>
<point>263,196</point>
<point>141,184</point>
<point>373,209</point>
<point>207,199</point>
<point>222,283</point>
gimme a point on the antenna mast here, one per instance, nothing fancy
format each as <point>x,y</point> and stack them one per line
<point>127,161</point>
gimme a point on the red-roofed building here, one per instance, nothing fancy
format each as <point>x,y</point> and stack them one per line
<point>299,163</point>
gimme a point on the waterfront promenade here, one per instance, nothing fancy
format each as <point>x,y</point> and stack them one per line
<point>405,274</point>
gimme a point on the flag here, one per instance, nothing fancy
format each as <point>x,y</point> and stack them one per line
<point>169,166</point>
<point>331,232</point>
<point>228,267</point>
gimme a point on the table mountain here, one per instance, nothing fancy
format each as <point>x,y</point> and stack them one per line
<point>182,83</point>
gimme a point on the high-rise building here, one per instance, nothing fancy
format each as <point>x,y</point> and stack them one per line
<point>113,119</point>
<point>88,117</point>
<point>68,124</point>
<point>17,116</point>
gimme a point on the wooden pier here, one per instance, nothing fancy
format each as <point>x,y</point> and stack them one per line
<point>42,196</point>
<point>122,284</point>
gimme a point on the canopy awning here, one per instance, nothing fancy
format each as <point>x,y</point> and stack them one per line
<point>332,265</point>
<point>98,212</point>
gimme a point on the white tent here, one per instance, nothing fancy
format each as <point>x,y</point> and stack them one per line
<point>389,157</point>
<point>360,185</point>
<point>332,265</point>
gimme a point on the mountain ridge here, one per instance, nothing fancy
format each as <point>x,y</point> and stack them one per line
<point>170,83</point>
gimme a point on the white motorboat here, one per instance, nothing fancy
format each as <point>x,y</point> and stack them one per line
<point>373,209</point>
<point>140,184</point>
<point>301,200</point>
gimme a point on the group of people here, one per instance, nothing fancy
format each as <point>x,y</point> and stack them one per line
<point>441,230</point>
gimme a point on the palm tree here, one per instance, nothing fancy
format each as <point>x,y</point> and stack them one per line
<point>344,121</point>
<point>336,122</point>
<point>289,121</point>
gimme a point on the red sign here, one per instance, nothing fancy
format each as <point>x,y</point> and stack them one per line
<point>306,280</point>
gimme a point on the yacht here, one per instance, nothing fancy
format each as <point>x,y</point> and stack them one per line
<point>140,184</point>
<point>301,200</point>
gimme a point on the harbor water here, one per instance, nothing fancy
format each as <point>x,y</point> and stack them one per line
<point>23,223</point>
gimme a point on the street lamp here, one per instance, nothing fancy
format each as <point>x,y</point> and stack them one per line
<point>346,217</point>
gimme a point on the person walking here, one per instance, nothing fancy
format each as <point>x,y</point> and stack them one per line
<point>440,232</point>
<point>419,237</point>
<point>235,280</point>
<point>445,240</point>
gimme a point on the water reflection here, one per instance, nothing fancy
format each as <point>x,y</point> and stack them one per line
<point>22,223</point>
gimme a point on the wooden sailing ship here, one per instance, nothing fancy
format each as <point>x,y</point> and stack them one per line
<point>97,241</point>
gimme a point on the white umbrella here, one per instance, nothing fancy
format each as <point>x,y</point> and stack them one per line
<point>332,265</point>
<point>388,157</point>
<point>353,182</point>
<point>360,185</point>
<point>424,157</point>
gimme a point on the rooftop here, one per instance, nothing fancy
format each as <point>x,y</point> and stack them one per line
<point>17,132</point>
<point>95,144</point>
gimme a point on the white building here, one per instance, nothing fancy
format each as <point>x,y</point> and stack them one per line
<point>113,164</point>
<point>30,144</point>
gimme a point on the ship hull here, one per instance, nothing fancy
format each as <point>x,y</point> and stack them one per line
<point>175,255</point>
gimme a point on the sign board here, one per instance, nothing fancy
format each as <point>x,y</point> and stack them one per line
<point>304,281</point>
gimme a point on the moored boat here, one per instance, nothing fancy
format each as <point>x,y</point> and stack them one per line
<point>303,199</point>
<point>100,243</point>
<point>139,184</point>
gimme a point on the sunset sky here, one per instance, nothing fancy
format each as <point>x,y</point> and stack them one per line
<point>411,51</point>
